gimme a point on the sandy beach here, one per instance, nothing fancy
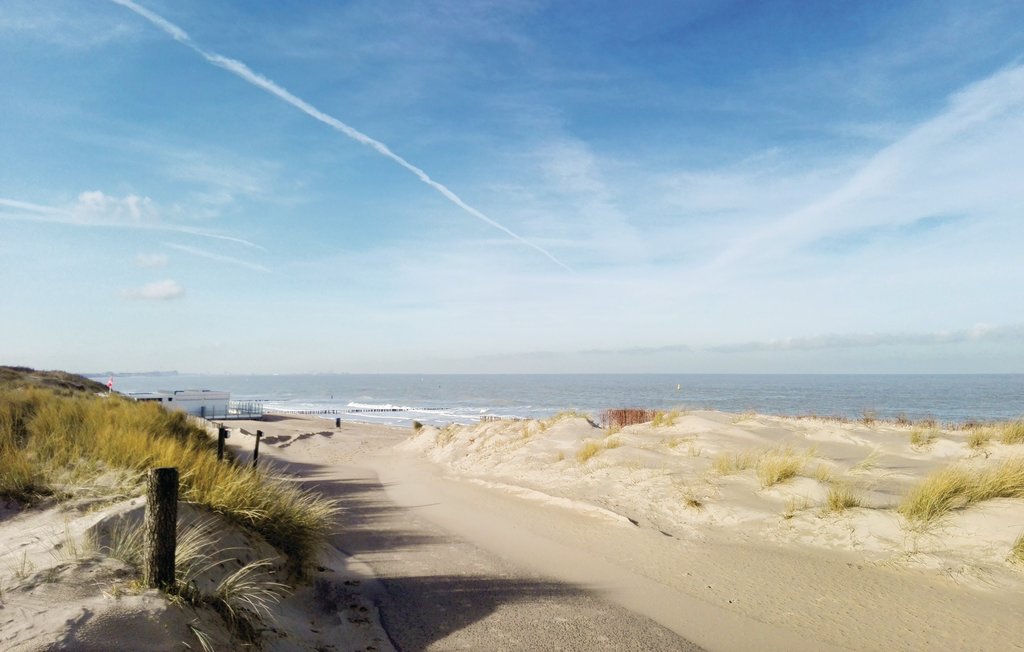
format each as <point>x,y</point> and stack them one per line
<point>514,519</point>
<point>524,535</point>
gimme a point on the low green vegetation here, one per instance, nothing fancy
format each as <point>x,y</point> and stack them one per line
<point>52,441</point>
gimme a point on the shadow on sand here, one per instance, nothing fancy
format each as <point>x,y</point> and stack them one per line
<point>419,610</point>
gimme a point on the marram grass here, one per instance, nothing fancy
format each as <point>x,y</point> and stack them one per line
<point>840,498</point>
<point>956,487</point>
<point>772,466</point>
<point>1017,552</point>
<point>43,435</point>
<point>1012,433</point>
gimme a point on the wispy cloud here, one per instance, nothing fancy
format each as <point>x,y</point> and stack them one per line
<point>150,260</point>
<point>981,333</point>
<point>242,71</point>
<point>56,22</point>
<point>157,291</point>
<point>930,170</point>
<point>209,255</point>
<point>96,209</point>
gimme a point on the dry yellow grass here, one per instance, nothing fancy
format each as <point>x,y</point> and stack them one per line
<point>771,466</point>
<point>923,437</point>
<point>729,462</point>
<point>46,438</point>
<point>587,451</point>
<point>1012,433</point>
<point>665,419</point>
<point>544,424</point>
<point>840,498</point>
<point>591,448</point>
<point>869,462</point>
<point>956,487</point>
<point>979,438</point>
<point>794,505</point>
<point>822,473</point>
<point>778,466</point>
<point>1017,552</point>
<point>447,434</point>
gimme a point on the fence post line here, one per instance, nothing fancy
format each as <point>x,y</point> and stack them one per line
<point>161,525</point>
<point>222,434</point>
<point>256,450</point>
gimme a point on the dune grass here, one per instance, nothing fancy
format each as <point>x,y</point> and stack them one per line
<point>956,487</point>
<point>47,437</point>
<point>1017,552</point>
<point>779,465</point>
<point>1012,432</point>
<point>978,438</point>
<point>664,419</point>
<point>840,498</point>
<point>243,598</point>
<point>592,448</point>
<point>729,462</point>
<point>923,437</point>
<point>772,466</point>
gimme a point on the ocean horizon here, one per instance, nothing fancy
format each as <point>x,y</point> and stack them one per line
<point>466,398</point>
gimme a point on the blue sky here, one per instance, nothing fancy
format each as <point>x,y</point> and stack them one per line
<point>504,186</point>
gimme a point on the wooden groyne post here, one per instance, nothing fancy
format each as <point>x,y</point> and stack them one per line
<point>161,527</point>
<point>222,434</point>
<point>256,450</point>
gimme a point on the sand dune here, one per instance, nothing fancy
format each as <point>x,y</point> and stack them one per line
<point>727,532</point>
<point>746,500</point>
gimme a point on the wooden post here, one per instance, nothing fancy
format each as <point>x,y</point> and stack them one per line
<point>337,422</point>
<point>222,434</point>
<point>161,525</point>
<point>256,451</point>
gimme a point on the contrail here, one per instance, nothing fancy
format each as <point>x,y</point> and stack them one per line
<point>202,253</point>
<point>55,215</point>
<point>243,71</point>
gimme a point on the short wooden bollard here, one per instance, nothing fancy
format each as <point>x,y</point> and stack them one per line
<point>161,525</point>
<point>222,434</point>
<point>256,450</point>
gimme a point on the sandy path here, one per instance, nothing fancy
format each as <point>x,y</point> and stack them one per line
<point>437,589</point>
<point>462,566</point>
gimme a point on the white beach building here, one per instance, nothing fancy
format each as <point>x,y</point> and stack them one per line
<point>205,403</point>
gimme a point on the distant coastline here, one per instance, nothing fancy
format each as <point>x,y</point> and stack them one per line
<point>127,374</point>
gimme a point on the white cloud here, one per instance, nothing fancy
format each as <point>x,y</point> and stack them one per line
<point>62,23</point>
<point>95,206</point>
<point>150,260</point>
<point>963,161</point>
<point>156,291</point>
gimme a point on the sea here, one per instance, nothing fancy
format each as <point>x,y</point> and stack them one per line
<point>400,399</point>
